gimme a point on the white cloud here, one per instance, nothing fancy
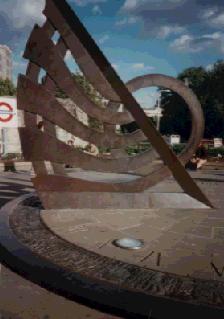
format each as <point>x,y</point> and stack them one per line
<point>104,38</point>
<point>130,4</point>
<point>213,36</point>
<point>147,98</point>
<point>218,21</point>
<point>166,18</point>
<point>209,67</point>
<point>184,43</point>
<point>208,13</point>
<point>19,64</point>
<point>121,22</point>
<point>23,13</point>
<point>96,10</point>
<point>138,66</point>
<point>142,66</point>
<point>115,66</point>
<point>167,30</point>
<point>83,3</point>
<point>189,43</point>
<point>126,21</point>
<point>68,55</point>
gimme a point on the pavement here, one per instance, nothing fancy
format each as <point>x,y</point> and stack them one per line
<point>184,241</point>
<point>21,299</point>
<point>187,241</point>
<point>13,185</point>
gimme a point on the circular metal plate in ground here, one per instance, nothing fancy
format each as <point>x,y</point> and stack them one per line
<point>128,243</point>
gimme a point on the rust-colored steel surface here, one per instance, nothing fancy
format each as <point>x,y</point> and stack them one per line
<point>38,102</point>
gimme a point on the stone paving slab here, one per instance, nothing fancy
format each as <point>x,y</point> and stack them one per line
<point>184,239</point>
<point>102,177</point>
<point>174,200</point>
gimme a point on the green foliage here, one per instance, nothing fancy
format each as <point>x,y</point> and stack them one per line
<point>196,77</point>
<point>133,126</point>
<point>93,95</point>
<point>90,92</point>
<point>87,87</point>
<point>178,148</point>
<point>176,118</point>
<point>11,156</point>
<point>60,94</point>
<point>103,150</point>
<point>95,124</point>
<point>139,148</point>
<point>208,87</point>
<point>213,152</point>
<point>7,88</point>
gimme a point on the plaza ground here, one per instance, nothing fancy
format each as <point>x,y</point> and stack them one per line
<point>22,299</point>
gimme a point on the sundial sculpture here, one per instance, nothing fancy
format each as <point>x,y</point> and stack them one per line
<point>57,189</point>
<point>34,251</point>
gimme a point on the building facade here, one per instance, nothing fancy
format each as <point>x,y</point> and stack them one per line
<point>9,137</point>
<point>5,62</point>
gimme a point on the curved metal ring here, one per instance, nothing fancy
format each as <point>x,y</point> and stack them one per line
<point>189,97</point>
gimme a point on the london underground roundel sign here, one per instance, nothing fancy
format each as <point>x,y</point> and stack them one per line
<point>8,112</point>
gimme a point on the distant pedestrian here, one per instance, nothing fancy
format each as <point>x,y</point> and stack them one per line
<point>201,155</point>
<point>198,159</point>
<point>40,125</point>
<point>92,149</point>
<point>71,143</point>
<point>192,164</point>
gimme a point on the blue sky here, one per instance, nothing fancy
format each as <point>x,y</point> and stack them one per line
<point>137,36</point>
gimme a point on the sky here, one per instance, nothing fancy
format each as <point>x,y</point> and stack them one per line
<point>137,36</point>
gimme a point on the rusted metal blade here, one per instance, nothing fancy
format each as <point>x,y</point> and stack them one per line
<point>33,143</point>
<point>87,65</point>
<point>36,99</point>
<point>52,183</point>
<point>170,159</point>
<point>42,51</point>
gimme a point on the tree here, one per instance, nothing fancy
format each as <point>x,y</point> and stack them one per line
<point>207,85</point>
<point>87,87</point>
<point>90,91</point>
<point>176,117</point>
<point>7,88</point>
<point>213,101</point>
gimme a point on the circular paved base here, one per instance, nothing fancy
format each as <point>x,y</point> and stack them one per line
<point>28,247</point>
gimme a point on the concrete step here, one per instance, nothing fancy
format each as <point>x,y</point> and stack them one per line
<point>97,200</point>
